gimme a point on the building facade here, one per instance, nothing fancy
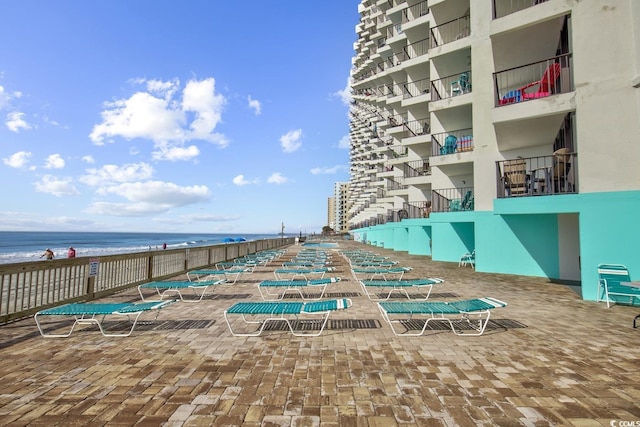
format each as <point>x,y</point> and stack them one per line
<point>341,196</point>
<point>508,127</point>
<point>331,212</point>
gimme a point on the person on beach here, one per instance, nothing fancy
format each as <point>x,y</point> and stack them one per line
<point>48,253</point>
<point>71,253</point>
<point>164,246</point>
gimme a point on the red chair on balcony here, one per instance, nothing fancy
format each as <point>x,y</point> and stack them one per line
<point>545,85</point>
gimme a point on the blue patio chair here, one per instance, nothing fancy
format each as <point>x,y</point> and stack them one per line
<point>614,280</point>
<point>461,85</point>
<point>450,144</point>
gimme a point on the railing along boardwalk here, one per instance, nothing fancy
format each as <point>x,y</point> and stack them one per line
<point>28,287</point>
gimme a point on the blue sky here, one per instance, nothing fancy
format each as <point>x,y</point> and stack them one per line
<point>174,116</point>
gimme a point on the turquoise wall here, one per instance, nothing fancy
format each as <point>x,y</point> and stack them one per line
<point>520,236</point>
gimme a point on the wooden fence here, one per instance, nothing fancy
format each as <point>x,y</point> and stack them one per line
<point>28,287</point>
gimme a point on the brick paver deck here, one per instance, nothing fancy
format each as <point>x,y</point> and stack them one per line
<point>549,358</point>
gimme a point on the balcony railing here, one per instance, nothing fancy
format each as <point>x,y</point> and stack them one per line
<point>538,176</point>
<point>457,141</point>
<point>506,7</point>
<point>417,88</point>
<point>416,168</point>
<point>452,199</point>
<point>416,127</point>
<point>451,86</point>
<point>418,10</point>
<point>421,209</point>
<point>450,31</point>
<point>416,49</point>
<point>534,81</point>
<point>395,185</point>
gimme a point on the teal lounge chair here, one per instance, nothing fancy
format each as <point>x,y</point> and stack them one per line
<point>305,273</point>
<point>96,313</point>
<point>398,286</point>
<point>174,287</point>
<point>291,313</point>
<point>615,281</point>
<point>284,286</point>
<point>403,312</point>
<point>370,273</point>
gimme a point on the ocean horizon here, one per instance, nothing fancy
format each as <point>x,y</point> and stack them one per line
<point>25,246</point>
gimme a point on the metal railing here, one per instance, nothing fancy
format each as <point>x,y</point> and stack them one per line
<point>417,88</point>
<point>28,287</point>
<point>534,81</point>
<point>451,86</point>
<point>416,168</point>
<point>456,141</point>
<point>537,176</point>
<point>416,127</point>
<point>421,209</point>
<point>452,199</point>
<point>418,10</point>
<point>450,31</point>
<point>506,7</point>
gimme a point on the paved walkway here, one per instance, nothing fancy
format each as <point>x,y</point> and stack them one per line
<point>549,358</point>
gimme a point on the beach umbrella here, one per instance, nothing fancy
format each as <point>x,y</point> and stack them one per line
<point>241,239</point>
<point>227,240</point>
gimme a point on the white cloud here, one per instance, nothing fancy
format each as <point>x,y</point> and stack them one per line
<point>111,174</point>
<point>277,178</point>
<point>88,159</point>
<point>160,116</point>
<point>56,186</point>
<point>345,94</point>
<point>6,97</point>
<point>240,181</point>
<point>15,121</point>
<point>173,153</point>
<point>344,143</point>
<point>54,161</point>
<point>255,106</point>
<point>328,171</point>
<point>17,160</point>
<point>290,141</point>
<point>150,197</point>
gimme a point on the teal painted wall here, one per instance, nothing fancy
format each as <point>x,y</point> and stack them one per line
<point>401,237</point>
<point>521,235</point>
<point>518,244</point>
<point>609,233</point>
<point>419,236</point>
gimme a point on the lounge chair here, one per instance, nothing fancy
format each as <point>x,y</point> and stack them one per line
<point>615,281</point>
<point>87,314</point>
<point>231,275</point>
<point>289,312</point>
<point>174,287</point>
<point>370,273</point>
<point>397,312</point>
<point>516,178</point>
<point>284,286</point>
<point>305,273</point>
<point>546,84</point>
<point>398,286</point>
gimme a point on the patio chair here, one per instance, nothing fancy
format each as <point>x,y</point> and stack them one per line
<point>468,258</point>
<point>96,313</point>
<point>516,179</point>
<point>427,311</point>
<point>546,84</point>
<point>305,273</point>
<point>561,167</point>
<point>174,287</point>
<point>450,144</point>
<point>461,85</point>
<point>614,281</point>
<point>292,313</point>
<point>284,286</point>
<point>398,286</point>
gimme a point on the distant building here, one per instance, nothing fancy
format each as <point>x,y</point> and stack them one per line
<point>338,207</point>
<point>331,212</point>
<point>508,127</point>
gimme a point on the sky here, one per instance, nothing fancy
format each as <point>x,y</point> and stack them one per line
<point>203,116</point>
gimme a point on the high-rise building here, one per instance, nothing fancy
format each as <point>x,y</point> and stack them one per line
<point>341,207</point>
<point>331,212</point>
<point>508,127</point>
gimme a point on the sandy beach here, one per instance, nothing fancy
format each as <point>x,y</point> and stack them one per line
<point>548,358</point>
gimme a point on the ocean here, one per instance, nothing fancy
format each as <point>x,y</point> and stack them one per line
<point>23,246</point>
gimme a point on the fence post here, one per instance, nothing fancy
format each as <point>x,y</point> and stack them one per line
<point>91,285</point>
<point>150,267</point>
